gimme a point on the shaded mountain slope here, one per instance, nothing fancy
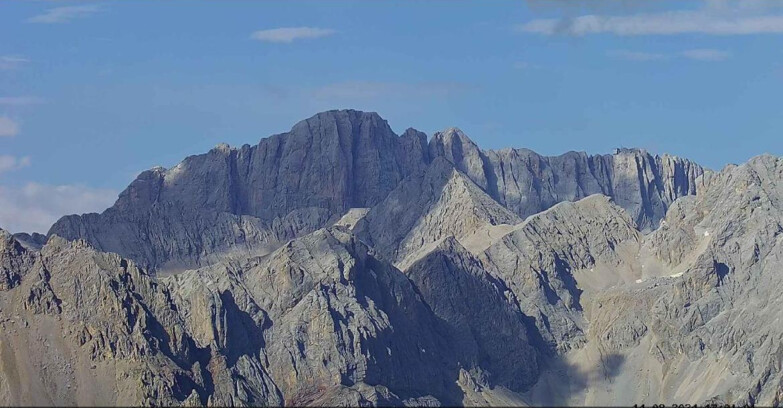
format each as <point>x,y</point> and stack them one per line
<point>526,182</point>
<point>341,264</point>
<point>426,207</point>
<point>254,198</point>
<point>319,321</point>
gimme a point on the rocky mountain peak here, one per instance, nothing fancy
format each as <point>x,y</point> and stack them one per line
<point>371,123</point>
<point>15,261</point>
<point>295,182</point>
<point>254,196</point>
<point>340,264</point>
<point>462,152</point>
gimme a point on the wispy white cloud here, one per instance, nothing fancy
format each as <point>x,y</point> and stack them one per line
<point>64,14</point>
<point>12,61</point>
<point>636,55</point>
<point>34,207</point>
<point>8,127</point>
<point>19,100</point>
<point>668,23</point>
<point>706,54</point>
<point>525,65</point>
<point>372,89</point>
<point>290,34</point>
<point>10,163</point>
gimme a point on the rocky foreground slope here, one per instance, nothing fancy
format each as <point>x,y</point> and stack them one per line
<point>340,264</point>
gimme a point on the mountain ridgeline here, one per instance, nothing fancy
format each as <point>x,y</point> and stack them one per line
<point>228,200</point>
<point>342,265</point>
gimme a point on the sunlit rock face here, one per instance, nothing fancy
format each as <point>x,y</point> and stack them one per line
<point>341,264</point>
<point>253,198</point>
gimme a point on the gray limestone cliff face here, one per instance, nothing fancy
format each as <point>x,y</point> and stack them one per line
<point>526,182</point>
<point>697,316</point>
<point>538,260</point>
<point>33,241</point>
<point>15,261</point>
<point>319,321</point>
<point>90,328</point>
<point>253,197</point>
<point>340,264</point>
<point>572,306</point>
<point>481,315</point>
<point>326,320</point>
<point>426,207</point>
<point>727,243</point>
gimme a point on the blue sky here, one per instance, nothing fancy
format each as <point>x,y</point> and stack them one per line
<point>91,93</point>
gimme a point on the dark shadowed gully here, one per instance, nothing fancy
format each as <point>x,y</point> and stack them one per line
<point>342,264</point>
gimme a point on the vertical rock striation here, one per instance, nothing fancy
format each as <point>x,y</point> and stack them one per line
<point>526,182</point>
<point>253,197</point>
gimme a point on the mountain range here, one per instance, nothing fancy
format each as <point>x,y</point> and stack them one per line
<point>342,264</point>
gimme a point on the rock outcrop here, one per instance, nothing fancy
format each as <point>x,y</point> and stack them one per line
<point>526,182</point>
<point>319,321</point>
<point>254,198</point>
<point>342,265</point>
<point>15,261</point>
<point>461,292</point>
<point>428,206</point>
<point>700,321</point>
<point>539,257</point>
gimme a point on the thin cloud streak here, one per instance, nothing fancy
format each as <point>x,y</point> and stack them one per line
<point>637,56</point>
<point>19,100</point>
<point>8,127</point>
<point>290,34</point>
<point>64,14</point>
<point>523,65</point>
<point>670,23</point>
<point>10,163</point>
<point>706,55</point>
<point>12,61</point>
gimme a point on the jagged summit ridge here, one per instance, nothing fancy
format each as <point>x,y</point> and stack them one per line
<point>256,197</point>
<point>526,182</point>
<point>434,289</point>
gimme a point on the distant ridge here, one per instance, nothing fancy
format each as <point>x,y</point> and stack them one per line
<point>293,183</point>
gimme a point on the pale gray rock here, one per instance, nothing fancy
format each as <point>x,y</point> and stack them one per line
<point>447,275</point>
<point>526,182</point>
<point>485,326</point>
<point>320,321</point>
<point>428,206</point>
<point>701,324</point>
<point>726,301</point>
<point>15,261</point>
<point>538,258</point>
<point>90,328</point>
<point>249,197</point>
<point>253,197</point>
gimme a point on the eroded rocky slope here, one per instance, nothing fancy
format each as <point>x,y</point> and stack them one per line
<point>388,271</point>
<point>526,182</point>
<point>256,197</point>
